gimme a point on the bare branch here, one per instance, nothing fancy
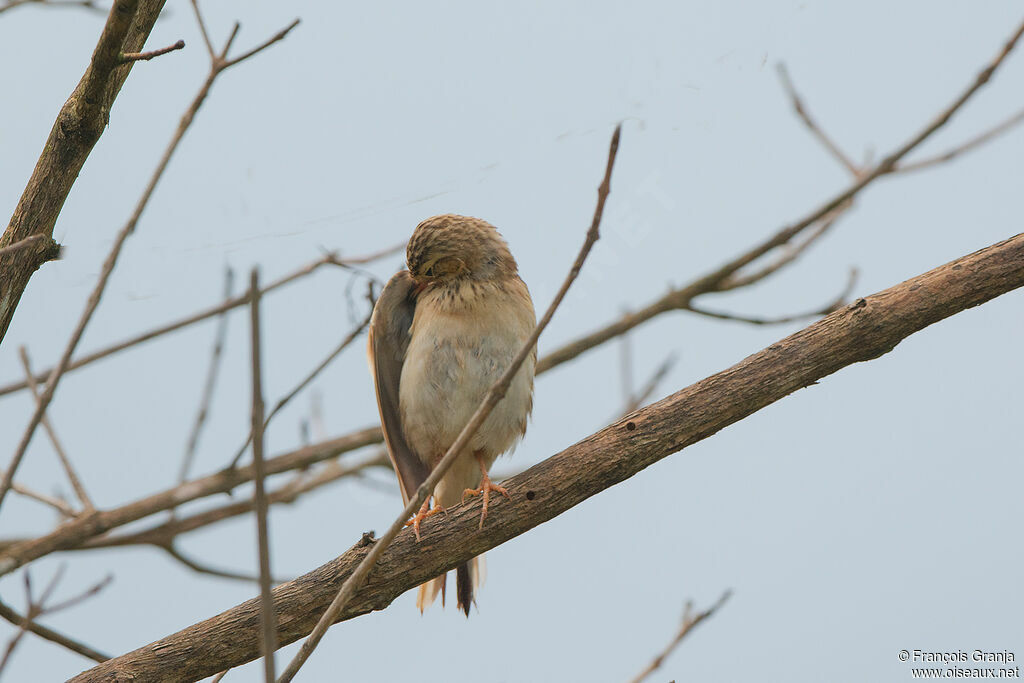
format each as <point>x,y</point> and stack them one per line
<point>831,306</point>
<point>203,31</point>
<point>57,504</point>
<point>80,4</point>
<point>638,399</point>
<point>494,395</point>
<point>211,380</point>
<point>262,46</point>
<point>788,253</point>
<point>964,147</point>
<point>65,462</point>
<point>690,621</point>
<point>146,56</point>
<point>200,568</point>
<point>78,127</point>
<point>49,249</point>
<point>867,329</point>
<point>260,497</point>
<point>805,116</point>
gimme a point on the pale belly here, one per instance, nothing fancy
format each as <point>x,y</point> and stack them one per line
<point>449,367</point>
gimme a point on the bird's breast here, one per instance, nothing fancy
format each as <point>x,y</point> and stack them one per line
<point>455,354</point>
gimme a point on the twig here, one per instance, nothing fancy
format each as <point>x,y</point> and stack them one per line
<point>352,335</point>
<point>13,617</point>
<point>308,269</point>
<point>82,4</point>
<point>788,254</point>
<point>634,401</point>
<point>56,503</point>
<point>494,395</point>
<point>831,306</point>
<point>32,241</point>
<point>211,380</point>
<point>626,368</point>
<point>146,56</point>
<point>815,129</point>
<point>856,170</point>
<point>216,67</point>
<point>267,620</point>
<point>690,621</point>
<point>65,462</point>
<point>964,147</point>
<point>867,329</point>
<point>200,568</point>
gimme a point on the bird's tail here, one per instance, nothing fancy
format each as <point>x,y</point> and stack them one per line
<point>468,578</point>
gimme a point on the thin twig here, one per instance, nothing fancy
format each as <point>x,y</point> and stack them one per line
<point>788,254</point>
<point>30,241</point>
<point>964,147</point>
<point>65,462</point>
<point>146,56</point>
<point>82,4</point>
<point>13,617</point>
<point>856,170</point>
<point>268,622</point>
<point>690,621</point>
<point>243,300</point>
<point>829,307</point>
<point>815,129</point>
<point>494,395</point>
<point>216,67</point>
<point>211,380</point>
<point>56,503</point>
<point>200,568</point>
<point>636,400</point>
<point>352,335</point>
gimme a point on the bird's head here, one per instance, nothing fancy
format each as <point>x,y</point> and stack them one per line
<point>449,247</point>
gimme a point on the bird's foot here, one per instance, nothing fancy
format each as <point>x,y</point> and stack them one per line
<point>424,512</point>
<point>485,488</point>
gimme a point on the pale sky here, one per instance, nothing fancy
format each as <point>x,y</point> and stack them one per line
<point>874,512</point>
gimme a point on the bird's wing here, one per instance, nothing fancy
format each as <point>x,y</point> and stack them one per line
<point>389,339</point>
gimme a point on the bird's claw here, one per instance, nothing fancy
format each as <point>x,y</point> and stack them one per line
<point>485,488</point>
<point>425,511</point>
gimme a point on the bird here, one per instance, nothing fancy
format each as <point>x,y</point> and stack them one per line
<point>442,332</point>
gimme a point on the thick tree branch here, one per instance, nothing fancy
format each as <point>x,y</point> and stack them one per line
<point>870,327</point>
<point>78,127</point>
<point>217,66</point>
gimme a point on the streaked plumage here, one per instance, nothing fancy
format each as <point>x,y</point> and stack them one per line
<point>441,334</point>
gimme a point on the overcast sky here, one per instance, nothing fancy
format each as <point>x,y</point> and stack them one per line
<point>877,511</point>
